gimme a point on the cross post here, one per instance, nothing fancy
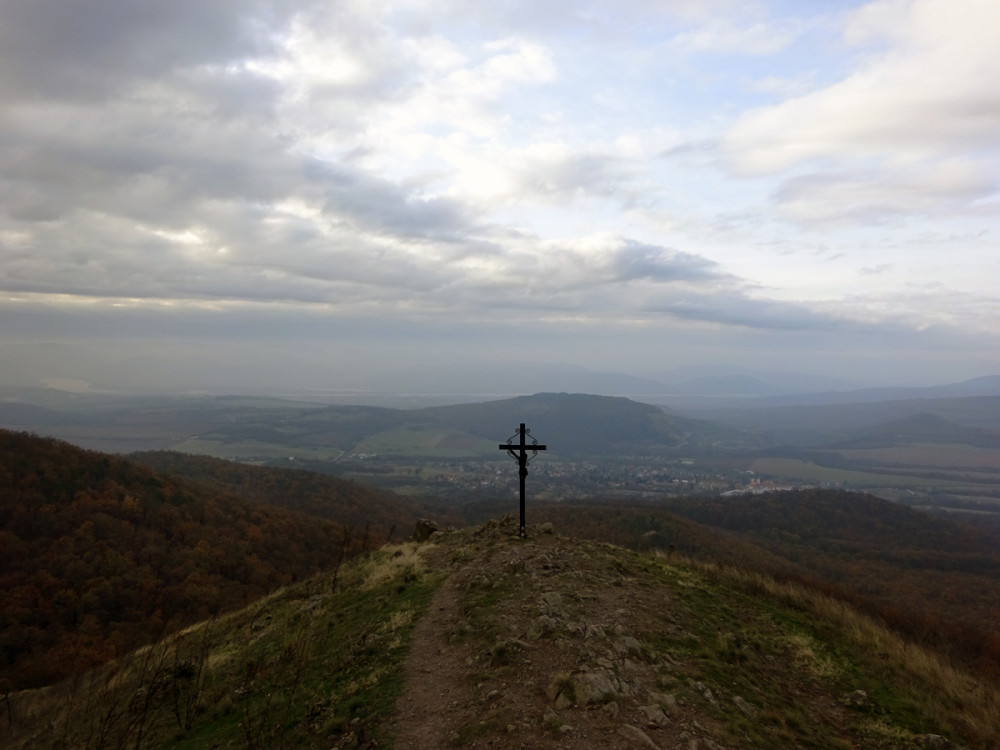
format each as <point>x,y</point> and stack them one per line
<point>519,452</point>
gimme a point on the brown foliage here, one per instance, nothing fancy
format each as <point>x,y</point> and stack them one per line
<point>99,555</point>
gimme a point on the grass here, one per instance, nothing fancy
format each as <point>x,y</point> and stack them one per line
<point>794,468</point>
<point>307,667</point>
<point>830,647</point>
<point>243,449</point>
<point>429,441</point>
<point>317,665</point>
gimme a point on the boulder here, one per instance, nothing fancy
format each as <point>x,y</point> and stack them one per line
<point>423,530</point>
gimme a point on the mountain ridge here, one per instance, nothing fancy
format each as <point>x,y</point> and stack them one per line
<point>480,638</point>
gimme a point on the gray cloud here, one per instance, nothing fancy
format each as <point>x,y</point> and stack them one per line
<point>82,50</point>
<point>272,170</point>
<point>736,309</point>
<point>634,260</point>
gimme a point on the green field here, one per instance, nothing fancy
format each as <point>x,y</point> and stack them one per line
<point>429,441</point>
<point>250,449</point>
<point>808,471</point>
<point>929,456</point>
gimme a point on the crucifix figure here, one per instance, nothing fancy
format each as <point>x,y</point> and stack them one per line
<point>519,452</point>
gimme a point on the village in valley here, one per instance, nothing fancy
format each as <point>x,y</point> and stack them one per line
<point>551,478</point>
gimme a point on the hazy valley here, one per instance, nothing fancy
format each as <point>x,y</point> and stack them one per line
<point>938,446</point>
<point>236,544</point>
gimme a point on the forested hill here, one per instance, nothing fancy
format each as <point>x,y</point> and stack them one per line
<point>320,495</point>
<point>579,424</point>
<point>99,554</point>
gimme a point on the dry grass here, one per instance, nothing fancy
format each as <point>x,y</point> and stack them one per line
<point>949,694</point>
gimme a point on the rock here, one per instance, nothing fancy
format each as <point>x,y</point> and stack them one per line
<point>552,601</point>
<point>934,742</point>
<point>594,687</point>
<point>423,530</point>
<point>666,701</point>
<point>628,645</point>
<point>654,715</point>
<point>545,528</point>
<point>551,719</point>
<point>857,699</point>
<point>503,651</point>
<point>561,690</point>
<point>749,711</point>
<point>637,737</point>
<point>541,627</point>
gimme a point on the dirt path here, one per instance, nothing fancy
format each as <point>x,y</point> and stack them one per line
<point>513,620</point>
<point>434,676</point>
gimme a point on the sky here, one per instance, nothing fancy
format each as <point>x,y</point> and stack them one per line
<point>268,194</point>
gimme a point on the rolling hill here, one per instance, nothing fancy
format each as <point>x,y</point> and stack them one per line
<point>99,554</point>
<point>270,429</point>
<point>480,638</point>
<point>814,425</point>
<point>920,428</point>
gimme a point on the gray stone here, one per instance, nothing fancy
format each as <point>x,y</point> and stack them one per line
<point>552,601</point>
<point>594,687</point>
<point>666,701</point>
<point>654,715</point>
<point>857,699</point>
<point>749,711</point>
<point>934,742</point>
<point>423,530</point>
<point>628,645</point>
<point>541,627</point>
<point>637,737</point>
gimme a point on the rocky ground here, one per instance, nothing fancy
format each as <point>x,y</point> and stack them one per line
<point>533,643</point>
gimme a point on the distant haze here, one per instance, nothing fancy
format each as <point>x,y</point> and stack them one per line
<point>446,196</point>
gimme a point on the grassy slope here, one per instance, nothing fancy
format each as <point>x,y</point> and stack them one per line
<point>735,657</point>
<point>308,662</point>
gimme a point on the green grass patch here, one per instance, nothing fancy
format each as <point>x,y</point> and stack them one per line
<point>808,471</point>
<point>310,666</point>
<point>428,441</point>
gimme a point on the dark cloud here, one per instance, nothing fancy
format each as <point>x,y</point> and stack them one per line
<point>434,176</point>
<point>736,309</point>
<point>78,50</point>
<point>635,260</point>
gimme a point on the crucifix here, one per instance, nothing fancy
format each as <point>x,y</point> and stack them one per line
<point>519,452</point>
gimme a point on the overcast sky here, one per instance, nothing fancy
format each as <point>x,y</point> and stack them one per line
<point>319,190</point>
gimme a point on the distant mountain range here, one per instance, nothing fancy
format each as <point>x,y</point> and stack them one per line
<point>923,427</point>
<point>984,386</point>
<point>837,424</point>
<point>578,423</point>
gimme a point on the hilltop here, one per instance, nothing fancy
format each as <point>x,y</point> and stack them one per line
<point>478,638</point>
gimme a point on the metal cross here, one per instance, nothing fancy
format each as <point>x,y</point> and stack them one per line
<point>519,452</point>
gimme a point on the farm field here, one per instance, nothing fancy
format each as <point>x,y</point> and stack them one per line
<point>426,440</point>
<point>929,455</point>
<point>242,450</point>
<point>810,471</point>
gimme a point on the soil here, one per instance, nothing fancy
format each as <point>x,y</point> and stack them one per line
<point>530,643</point>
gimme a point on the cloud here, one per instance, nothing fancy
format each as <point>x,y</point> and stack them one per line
<point>729,36</point>
<point>88,50</point>
<point>284,163</point>
<point>928,95</point>
<point>914,129</point>
<point>876,196</point>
